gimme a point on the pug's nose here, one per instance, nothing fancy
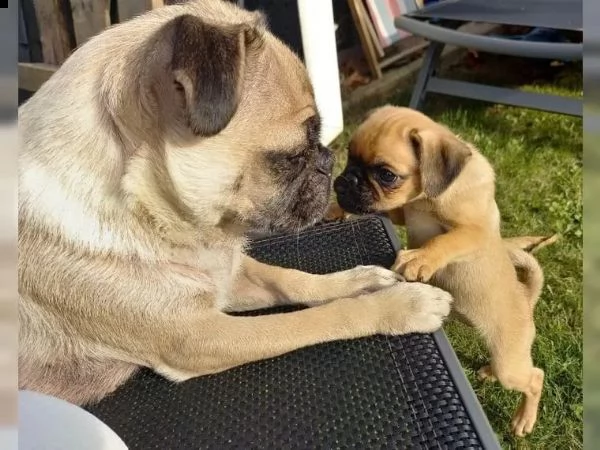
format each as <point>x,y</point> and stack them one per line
<point>324,160</point>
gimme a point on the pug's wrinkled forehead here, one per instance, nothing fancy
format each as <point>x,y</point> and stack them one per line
<point>216,70</point>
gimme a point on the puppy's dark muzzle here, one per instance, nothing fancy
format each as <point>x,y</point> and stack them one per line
<point>350,192</point>
<point>345,183</point>
<point>324,163</point>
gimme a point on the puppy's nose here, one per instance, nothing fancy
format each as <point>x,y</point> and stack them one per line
<point>324,160</point>
<point>339,185</point>
<point>352,179</point>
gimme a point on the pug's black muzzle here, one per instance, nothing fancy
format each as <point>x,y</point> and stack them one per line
<point>325,160</point>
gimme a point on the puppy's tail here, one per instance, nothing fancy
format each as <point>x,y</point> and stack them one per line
<point>529,271</point>
<point>531,244</point>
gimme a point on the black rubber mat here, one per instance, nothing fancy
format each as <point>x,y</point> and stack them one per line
<point>405,392</point>
<point>556,14</point>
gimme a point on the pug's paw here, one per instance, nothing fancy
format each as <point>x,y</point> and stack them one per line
<point>366,279</point>
<point>414,308</point>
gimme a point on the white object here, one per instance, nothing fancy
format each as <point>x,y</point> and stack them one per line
<point>47,423</point>
<point>320,57</point>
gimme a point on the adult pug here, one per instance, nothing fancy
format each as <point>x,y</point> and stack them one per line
<point>145,160</point>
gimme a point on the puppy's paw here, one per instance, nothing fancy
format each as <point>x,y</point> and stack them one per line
<point>415,308</point>
<point>335,213</point>
<point>486,374</point>
<point>416,265</point>
<point>526,415</point>
<point>523,421</point>
<point>354,282</point>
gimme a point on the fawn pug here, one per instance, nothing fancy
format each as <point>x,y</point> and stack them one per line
<point>144,162</point>
<point>443,190</point>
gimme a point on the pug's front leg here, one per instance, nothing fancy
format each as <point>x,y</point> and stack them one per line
<point>213,341</point>
<point>260,285</point>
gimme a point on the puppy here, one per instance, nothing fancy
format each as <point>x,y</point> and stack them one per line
<point>144,163</point>
<point>421,174</point>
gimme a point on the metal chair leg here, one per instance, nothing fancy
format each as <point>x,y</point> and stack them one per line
<point>428,69</point>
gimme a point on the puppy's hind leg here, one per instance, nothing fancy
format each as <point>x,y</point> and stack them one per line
<point>512,366</point>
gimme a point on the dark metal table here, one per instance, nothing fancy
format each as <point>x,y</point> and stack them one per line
<point>548,14</point>
<point>404,392</point>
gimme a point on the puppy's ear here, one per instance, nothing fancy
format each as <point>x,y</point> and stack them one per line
<point>207,63</point>
<point>441,157</point>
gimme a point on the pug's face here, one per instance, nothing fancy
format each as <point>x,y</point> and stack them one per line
<point>395,155</point>
<point>238,119</point>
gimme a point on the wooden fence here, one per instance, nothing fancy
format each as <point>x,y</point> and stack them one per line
<point>49,31</point>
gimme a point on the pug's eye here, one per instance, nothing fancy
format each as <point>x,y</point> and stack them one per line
<point>386,176</point>
<point>297,158</point>
<point>296,162</point>
<point>178,86</point>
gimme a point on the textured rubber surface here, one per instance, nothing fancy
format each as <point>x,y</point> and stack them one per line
<point>372,393</point>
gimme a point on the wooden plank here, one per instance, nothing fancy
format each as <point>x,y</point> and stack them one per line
<point>365,39</point>
<point>55,30</point>
<point>33,75</point>
<point>152,4</point>
<point>128,9</point>
<point>90,17</point>
<point>410,48</point>
<point>366,17</point>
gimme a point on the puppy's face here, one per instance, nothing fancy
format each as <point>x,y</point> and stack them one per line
<point>395,155</point>
<point>236,112</point>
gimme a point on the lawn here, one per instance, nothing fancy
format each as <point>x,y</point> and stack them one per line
<point>538,161</point>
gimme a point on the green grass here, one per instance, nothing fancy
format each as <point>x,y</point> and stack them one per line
<point>538,161</point>
<point>591,285</point>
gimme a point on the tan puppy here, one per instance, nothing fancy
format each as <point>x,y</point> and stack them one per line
<point>144,162</point>
<point>442,189</point>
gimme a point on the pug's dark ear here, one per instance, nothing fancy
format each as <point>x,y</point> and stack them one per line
<point>208,62</point>
<point>441,156</point>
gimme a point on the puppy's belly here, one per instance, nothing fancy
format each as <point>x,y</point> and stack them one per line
<point>485,290</point>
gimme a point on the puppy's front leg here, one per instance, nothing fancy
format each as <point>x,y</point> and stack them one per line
<point>420,264</point>
<point>260,285</point>
<point>396,216</point>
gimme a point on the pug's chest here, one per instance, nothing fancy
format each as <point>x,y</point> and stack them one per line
<point>220,267</point>
<point>421,226</point>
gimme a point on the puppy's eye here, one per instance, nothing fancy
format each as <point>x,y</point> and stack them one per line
<point>386,176</point>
